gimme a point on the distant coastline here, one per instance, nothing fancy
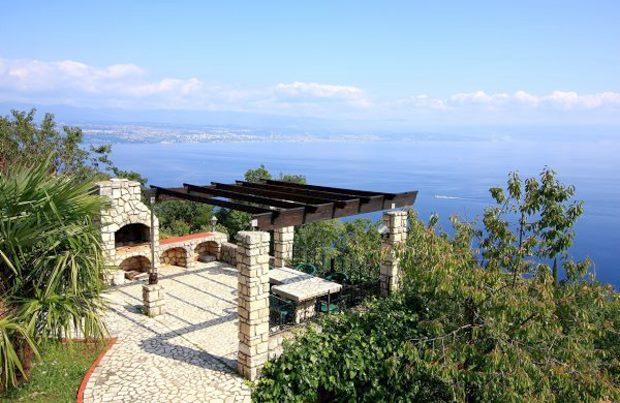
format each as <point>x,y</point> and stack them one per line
<point>156,133</point>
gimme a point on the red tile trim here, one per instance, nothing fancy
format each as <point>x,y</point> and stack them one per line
<point>186,237</point>
<point>80,393</point>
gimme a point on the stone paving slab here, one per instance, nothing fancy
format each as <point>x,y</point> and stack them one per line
<point>186,355</point>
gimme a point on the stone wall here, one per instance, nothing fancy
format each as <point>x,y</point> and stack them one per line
<point>125,207</point>
<point>194,245</point>
<point>228,253</point>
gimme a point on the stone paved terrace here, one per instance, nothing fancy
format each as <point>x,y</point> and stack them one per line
<point>186,355</point>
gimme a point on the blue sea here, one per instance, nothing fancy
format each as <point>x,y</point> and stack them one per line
<point>452,176</point>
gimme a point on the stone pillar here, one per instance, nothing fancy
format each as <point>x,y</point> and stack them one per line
<point>396,222</point>
<point>253,308</point>
<point>283,245</point>
<point>153,297</point>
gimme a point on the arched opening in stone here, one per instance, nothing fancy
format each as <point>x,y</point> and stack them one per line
<point>132,235</point>
<point>174,256</point>
<point>138,264</point>
<point>207,251</point>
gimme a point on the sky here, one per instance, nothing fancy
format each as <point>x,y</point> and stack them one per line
<point>415,63</point>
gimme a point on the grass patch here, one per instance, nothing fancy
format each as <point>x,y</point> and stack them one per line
<point>56,377</point>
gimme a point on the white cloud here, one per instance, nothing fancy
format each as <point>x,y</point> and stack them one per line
<point>479,97</point>
<point>314,91</point>
<point>564,100</point>
<point>571,100</point>
<point>132,87</point>
<point>129,86</point>
<point>71,77</point>
<point>167,85</point>
<point>524,98</point>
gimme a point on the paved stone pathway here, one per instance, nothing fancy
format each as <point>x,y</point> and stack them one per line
<point>187,355</point>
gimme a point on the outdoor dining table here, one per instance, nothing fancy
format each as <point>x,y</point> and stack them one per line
<point>301,288</point>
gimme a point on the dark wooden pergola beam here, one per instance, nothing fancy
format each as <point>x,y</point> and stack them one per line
<point>300,189</point>
<point>278,195</point>
<point>211,190</point>
<point>277,204</point>
<point>178,193</point>
<point>353,192</point>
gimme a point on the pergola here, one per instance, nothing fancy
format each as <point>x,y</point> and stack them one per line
<point>276,204</point>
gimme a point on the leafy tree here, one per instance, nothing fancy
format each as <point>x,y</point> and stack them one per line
<point>458,332</point>
<point>361,250</point>
<point>24,141</point>
<point>179,217</point>
<point>262,173</point>
<point>315,242</point>
<point>354,245</point>
<point>292,178</point>
<point>532,225</point>
<point>233,220</point>
<point>461,331</point>
<point>258,174</point>
<point>51,265</point>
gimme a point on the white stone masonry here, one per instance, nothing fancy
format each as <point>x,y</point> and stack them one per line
<point>253,308</point>
<point>396,221</point>
<point>283,245</point>
<point>125,207</point>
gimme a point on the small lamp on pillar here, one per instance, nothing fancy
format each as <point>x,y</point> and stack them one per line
<point>384,231</point>
<point>213,223</point>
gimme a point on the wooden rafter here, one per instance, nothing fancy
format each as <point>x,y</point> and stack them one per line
<point>276,204</point>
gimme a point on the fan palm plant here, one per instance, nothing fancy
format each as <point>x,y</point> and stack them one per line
<point>51,267</point>
<point>10,363</point>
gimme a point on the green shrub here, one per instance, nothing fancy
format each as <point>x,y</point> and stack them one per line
<point>462,331</point>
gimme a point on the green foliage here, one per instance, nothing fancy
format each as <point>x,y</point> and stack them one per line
<point>316,242</point>
<point>234,221</point>
<point>24,141</point>
<point>258,174</point>
<point>11,332</point>
<point>531,225</point>
<point>354,245</point>
<point>51,266</point>
<point>292,178</point>
<point>461,331</point>
<point>180,217</point>
<point>458,332</point>
<point>261,173</point>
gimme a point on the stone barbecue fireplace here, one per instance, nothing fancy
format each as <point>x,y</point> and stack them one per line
<point>125,227</point>
<point>132,235</point>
